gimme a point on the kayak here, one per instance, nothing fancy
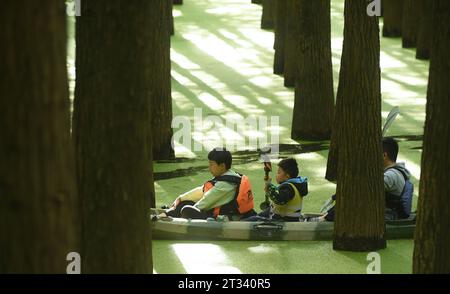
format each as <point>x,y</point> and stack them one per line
<point>168,228</point>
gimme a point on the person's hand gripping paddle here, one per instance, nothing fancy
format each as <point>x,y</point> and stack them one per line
<point>267,169</point>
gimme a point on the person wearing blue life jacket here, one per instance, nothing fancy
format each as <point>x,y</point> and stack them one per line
<point>287,197</point>
<point>398,188</point>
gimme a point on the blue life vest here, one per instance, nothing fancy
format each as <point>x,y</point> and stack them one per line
<point>401,204</point>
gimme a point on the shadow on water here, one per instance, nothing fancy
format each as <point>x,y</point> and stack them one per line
<point>177,160</point>
<point>411,138</point>
<point>408,138</point>
<point>239,157</point>
<point>178,173</point>
<point>249,156</point>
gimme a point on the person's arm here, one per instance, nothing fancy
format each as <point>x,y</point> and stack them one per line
<point>389,180</point>
<point>193,195</point>
<point>280,195</point>
<point>216,196</point>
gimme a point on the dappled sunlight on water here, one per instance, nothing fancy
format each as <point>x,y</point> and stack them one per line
<point>222,64</point>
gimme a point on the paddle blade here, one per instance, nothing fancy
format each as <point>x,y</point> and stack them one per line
<point>390,119</point>
<point>327,205</point>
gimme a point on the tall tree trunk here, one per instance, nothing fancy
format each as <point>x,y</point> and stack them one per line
<point>178,2</point>
<point>392,18</point>
<point>314,94</point>
<point>170,18</point>
<point>432,239</point>
<point>280,36</point>
<point>161,87</point>
<point>411,20</point>
<point>359,224</point>
<point>291,50</point>
<point>112,121</point>
<point>332,160</point>
<point>424,36</point>
<point>267,17</point>
<point>38,206</point>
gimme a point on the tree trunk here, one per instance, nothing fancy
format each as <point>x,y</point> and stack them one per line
<point>112,119</point>
<point>432,238</point>
<point>291,50</point>
<point>392,18</point>
<point>410,26</point>
<point>425,31</point>
<point>359,224</point>
<point>37,180</point>
<point>280,36</point>
<point>332,160</point>
<point>257,1</point>
<point>267,17</point>
<point>161,88</point>
<point>178,2</point>
<point>170,18</point>
<point>314,94</point>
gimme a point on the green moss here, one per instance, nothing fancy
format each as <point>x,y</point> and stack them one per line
<point>222,63</point>
<point>274,257</point>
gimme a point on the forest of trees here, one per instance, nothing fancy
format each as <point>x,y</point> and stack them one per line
<point>355,137</point>
<point>86,185</point>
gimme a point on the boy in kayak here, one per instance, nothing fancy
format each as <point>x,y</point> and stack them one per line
<point>217,196</point>
<point>287,197</point>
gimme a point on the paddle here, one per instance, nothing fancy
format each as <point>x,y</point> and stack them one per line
<point>327,205</point>
<point>390,119</point>
<point>267,169</point>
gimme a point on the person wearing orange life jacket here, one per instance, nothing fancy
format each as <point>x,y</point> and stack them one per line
<point>217,196</point>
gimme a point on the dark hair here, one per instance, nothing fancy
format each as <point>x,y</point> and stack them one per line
<point>289,165</point>
<point>390,146</point>
<point>221,155</point>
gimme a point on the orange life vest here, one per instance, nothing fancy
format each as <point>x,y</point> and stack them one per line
<point>243,198</point>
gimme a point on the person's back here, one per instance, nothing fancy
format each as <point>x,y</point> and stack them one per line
<point>398,189</point>
<point>394,181</point>
<point>397,186</point>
